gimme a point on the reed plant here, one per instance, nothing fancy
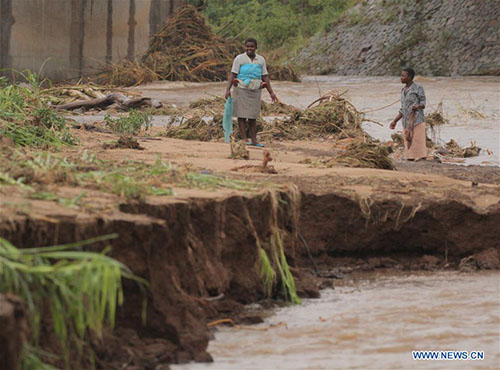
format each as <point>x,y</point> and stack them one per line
<point>267,273</point>
<point>79,290</point>
<point>270,269</point>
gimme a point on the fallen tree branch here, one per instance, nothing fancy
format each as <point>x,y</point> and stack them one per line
<point>123,102</point>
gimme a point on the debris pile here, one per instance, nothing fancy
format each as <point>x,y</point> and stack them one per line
<point>84,97</point>
<point>197,128</point>
<point>185,49</point>
<point>457,151</point>
<point>124,142</point>
<point>333,115</point>
<point>363,154</point>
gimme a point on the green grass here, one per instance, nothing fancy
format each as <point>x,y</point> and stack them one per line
<point>267,273</point>
<point>286,277</point>
<point>132,124</point>
<point>80,289</point>
<point>26,118</point>
<point>33,173</point>
<point>68,202</point>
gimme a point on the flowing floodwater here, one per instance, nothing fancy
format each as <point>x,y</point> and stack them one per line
<point>373,322</point>
<point>472,104</point>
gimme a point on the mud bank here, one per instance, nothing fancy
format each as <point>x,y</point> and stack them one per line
<point>201,257</point>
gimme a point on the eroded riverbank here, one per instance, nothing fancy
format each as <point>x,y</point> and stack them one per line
<point>200,250</point>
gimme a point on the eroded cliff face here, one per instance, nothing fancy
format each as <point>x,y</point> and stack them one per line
<point>435,37</point>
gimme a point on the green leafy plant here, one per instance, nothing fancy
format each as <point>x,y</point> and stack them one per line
<point>131,124</point>
<point>267,273</point>
<point>276,24</point>
<point>26,118</point>
<point>80,289</point>
<point>286,277</point>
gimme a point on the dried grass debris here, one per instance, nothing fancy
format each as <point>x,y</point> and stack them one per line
<point>362,154</point>
<point>457,151</point>
<point>185,49</point>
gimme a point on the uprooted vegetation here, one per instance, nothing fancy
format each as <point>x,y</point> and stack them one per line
<point>359,154</point>
<point>199,55</point>
<point>330,117</point>
<point>333,116</point>
<point>26,118</point>
<point>457,151</point>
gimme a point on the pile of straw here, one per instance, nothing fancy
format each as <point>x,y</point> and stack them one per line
<point>363,154</point>
<point>185,49</point>
<point>457,151</point>
<point>332,116</point>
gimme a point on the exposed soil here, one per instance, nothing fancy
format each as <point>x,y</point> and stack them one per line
<point>14,330</point>
<point>472,173</point>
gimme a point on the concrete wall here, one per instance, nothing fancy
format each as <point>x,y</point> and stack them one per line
<point>70,38</point>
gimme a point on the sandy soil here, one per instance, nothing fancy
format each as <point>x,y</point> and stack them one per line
<point>213,157</point>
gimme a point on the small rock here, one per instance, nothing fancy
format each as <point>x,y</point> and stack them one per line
<point>430,261</point>
<point>488,259</point>
<point>6,142</point>
<point>468,264</point>
<point>326,284</point>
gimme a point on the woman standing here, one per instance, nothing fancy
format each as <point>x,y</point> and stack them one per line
<point>249,75</point>
<point>412,112</point>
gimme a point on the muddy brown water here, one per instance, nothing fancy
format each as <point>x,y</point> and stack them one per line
<point>373,322</point>
<point>472,104</point>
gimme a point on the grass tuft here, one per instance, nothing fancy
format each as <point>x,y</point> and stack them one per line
<point>129,125</point>
<point>267,273</point>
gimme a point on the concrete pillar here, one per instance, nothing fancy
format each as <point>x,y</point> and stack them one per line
<point>6,22</point>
